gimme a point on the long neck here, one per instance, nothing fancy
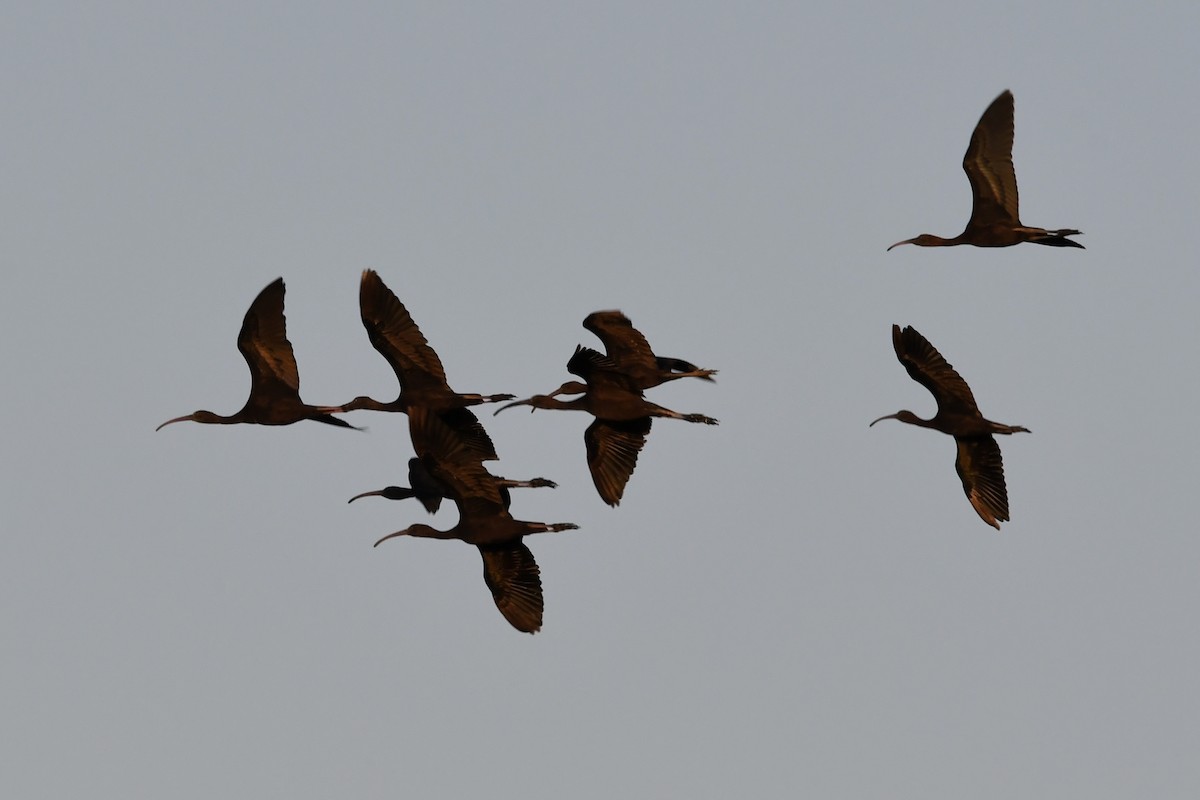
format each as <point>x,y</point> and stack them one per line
<point>368,404</point>
<point>422,531</point>
<point>909,417</point>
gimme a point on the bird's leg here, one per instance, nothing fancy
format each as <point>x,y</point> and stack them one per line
<point>659,411</point>
<point>533,483</point>
<point>476,399</point>
<point>552,527</point>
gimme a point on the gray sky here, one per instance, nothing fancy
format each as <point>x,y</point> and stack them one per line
<point>786,605</point>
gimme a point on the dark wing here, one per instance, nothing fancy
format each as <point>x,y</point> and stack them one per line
<point>989,167</point>
<point>585,362</point>
<point>450,461</point>
<point>598,369</point>
<point>264,344</point>
<point>513,578</point>
<point>624,343</point>
<point>926,366</point>
<point>394,334</point>
<point>612,453</point>
<point>449,435</point>
<point>982,472</point>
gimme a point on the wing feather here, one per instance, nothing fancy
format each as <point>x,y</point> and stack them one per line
<point>512,575</point>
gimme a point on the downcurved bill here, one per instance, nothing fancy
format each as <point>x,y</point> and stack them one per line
<point>889,416</point>
<point>906,241</point>
<point>526,402</point>
<point>391,536</point>
<point>187,418</point>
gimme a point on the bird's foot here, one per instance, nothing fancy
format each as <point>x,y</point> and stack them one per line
<point>700,418</point>
<point>542,483</point>
<point>561,526</point>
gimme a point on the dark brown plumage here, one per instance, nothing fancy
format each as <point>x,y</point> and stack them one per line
<point>978,464</point>
<point>422,377</point>
<point>509,569</point>
<point>623,416</point>
<point>430,492</point>
<point>995,221</point>
<point>628,352</point>
<point>274,380</point>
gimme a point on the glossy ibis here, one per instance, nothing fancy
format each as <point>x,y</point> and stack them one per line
<point>429,491</point>
<point>978,464</point>
<point>274,381</point>
<point>509,569</point>
<point>623,418</point>
<point>422,377</point>
<point>988,163</point>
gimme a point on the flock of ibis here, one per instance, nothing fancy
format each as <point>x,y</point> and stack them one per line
<point>451,445</point>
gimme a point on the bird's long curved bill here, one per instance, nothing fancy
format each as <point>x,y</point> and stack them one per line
<point>376,493</point>
<point>889,416</point>
<point>389,536</point>
<point>515,403</point>
<point>177,419</point>
<point>906,241</point>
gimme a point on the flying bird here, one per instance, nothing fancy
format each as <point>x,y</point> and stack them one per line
<point>274,381</point>
<point>430,492</point>
<point>988,163</point>
<point>622,420</point>
<point>509,569</point>
<point>422,377</point>
<point>978,464</point>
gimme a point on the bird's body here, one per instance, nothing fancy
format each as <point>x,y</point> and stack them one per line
<point>418,368</point>
<point>995,220</point>
<point>623,418</point>
<point>978,464</point>
<point>274,380</point>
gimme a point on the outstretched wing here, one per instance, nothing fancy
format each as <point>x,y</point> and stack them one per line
<point>926,366</point>
<point>989,167</point>
<point>624,343</point>
<point>398,339</point>
<point>981,470</point>
<point>513,577</point>
<point>612,453</point>
<point>264,344</point>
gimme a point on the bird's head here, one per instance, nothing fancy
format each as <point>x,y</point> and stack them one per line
<point>197,416</point>
<point>904,416</point>
<point>924,240</point>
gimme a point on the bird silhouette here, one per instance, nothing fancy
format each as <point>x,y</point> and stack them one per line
<point>422,377</point>
<point>978,464</point>
<point>274,381</point>
<point>623,417</point>
<point>509,568</point>
<point>994,220</point>
<point>628,352</point>
<point>430,492</point>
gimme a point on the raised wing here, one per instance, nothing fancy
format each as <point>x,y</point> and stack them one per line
<point>513,577</point>
<point>926,366</point>
<point>989,167</point>
<point>612,453</point>
<point>624,343</point>
<point>981,470</point>
<point>396,336</point>
<point>264,344</point>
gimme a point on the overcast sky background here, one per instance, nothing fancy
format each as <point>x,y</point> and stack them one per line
<point>788,605</point>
